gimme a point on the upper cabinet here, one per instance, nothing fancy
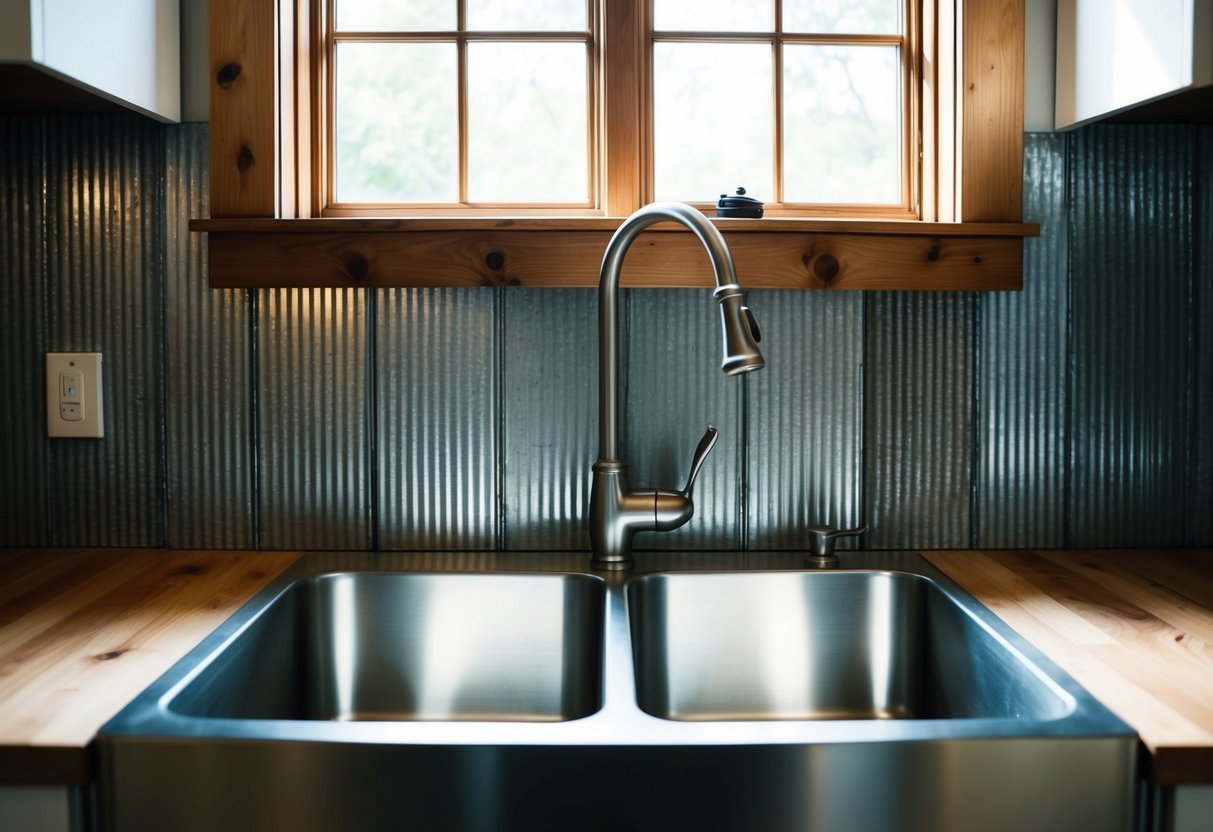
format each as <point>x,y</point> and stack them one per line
<point>86,56</point>
<point>1134,60</point>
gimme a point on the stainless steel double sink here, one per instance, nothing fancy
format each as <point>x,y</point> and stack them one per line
<point>530,693</point>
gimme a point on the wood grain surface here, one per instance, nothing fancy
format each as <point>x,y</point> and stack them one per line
<point>541,258</point>
<point>1134,627</point>
<point>83,631</point>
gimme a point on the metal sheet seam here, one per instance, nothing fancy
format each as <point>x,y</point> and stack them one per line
<point>860,428</point>
<point>743,465</point>
<point>976,397</point>
<point>1067,482</point>
<point>161,236</point>
<point>253,299</point>
<point>43,265</point>
<point>500,502</point>
<point>1192,462</point>
<point>371,417</point>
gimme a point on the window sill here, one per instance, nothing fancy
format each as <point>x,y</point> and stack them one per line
<point>776,253</point>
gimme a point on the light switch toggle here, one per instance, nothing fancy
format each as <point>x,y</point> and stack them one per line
<point>71,395</point>
<point>70,385</point>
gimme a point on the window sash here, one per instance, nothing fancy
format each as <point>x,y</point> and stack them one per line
<point>460,37</point>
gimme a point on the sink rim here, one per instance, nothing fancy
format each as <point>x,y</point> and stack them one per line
<point>620,721</point>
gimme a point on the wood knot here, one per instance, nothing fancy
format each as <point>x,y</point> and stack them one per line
<point>111,655</point>
<point>244,159</point>
<point>192,569</point>
<point>494,260</point>
<point>826,269</point>
<point>227,75</point>
<point>933,253</point>
<point>357,267</point>
<point>977,259</point>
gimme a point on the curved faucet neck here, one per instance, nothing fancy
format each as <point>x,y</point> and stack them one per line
<point>608,302</point>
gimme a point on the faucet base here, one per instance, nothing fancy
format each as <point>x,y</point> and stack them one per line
<point>612,564</point>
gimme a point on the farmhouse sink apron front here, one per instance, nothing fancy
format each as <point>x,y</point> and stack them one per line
<point>529,692</point>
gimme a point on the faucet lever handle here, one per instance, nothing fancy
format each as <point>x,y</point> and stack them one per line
<point>701,453</point>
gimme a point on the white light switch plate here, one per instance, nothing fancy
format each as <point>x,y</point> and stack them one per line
<point>73,395</point>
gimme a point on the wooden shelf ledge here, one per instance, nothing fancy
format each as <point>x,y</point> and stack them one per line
<point>772,253</point>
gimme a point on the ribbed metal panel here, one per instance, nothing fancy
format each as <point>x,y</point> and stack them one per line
<point>1200,501</point>
<point>805,416</point>
<point>22,332</point>
<point>484,402</point>
<point>207,443</point>
<point>673,389</point>
<point>436,383</point>
<point>918,419</point>
<point>1132,192</point>
<point>104,249</point>
<point>312,416</point>
<point>549,343</point>
<point>1021,373</point>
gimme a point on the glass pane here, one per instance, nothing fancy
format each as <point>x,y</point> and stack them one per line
<point>713,121</point>
<point>843,17</point>
<point>841,124</point>
<point>526,15</point>
<point>527,122</point>
<point>393,15</point>
<point>397,124</point>
<point>713,15</point>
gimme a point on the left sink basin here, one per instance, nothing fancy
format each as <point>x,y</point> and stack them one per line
<point>382,646</point>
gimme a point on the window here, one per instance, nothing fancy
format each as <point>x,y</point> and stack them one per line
<point>441,104</point>
<point>942,86</point>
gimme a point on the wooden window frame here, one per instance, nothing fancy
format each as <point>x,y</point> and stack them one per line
<point>267,229</point>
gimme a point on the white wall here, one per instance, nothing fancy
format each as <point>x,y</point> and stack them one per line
<point>195,89</point>
<point>1112,58</point>
<point>1040,50</point>
<point>15,31</point>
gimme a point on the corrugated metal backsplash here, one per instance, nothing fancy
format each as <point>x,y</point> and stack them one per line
<point>1073,413</point>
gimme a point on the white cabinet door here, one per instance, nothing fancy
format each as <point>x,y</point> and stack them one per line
<point>1113,55</point>
<point>126,51</point>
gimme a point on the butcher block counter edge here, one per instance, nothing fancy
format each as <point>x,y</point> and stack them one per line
<point>1134,627</point>
<point>83,631</point>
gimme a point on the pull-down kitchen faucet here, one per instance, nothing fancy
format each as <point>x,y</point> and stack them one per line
<point>616,511</point>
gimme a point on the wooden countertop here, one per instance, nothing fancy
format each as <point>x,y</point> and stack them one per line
<point>83,631</point>
<point>1134,627</point>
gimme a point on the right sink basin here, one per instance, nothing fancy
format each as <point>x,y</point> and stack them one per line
<point>856,645</point>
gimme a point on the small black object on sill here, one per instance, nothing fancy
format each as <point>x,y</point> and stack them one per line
<point>739,206</point>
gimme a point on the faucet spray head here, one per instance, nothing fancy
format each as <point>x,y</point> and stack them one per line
<point>741,335</point>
